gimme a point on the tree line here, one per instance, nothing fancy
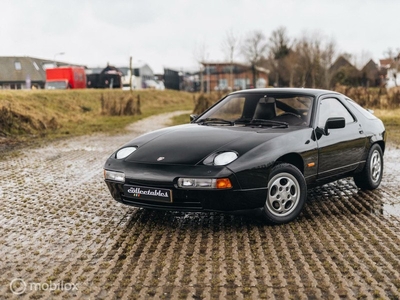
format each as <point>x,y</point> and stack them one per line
<point>302,62</point>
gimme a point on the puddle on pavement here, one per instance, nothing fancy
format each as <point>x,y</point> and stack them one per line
<point>382,204</point>
<point>391,209</point>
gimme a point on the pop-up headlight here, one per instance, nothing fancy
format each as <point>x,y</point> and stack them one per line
<point>124,152</point>
<point>225,158</point>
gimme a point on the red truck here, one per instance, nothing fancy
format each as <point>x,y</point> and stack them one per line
<point>66,78</point>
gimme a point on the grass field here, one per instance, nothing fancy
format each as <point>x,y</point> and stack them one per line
<point>391,119</point>
<point>46,115</point>
<point>53,114</point>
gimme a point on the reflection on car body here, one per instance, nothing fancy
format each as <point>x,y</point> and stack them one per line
<point>253,149</point>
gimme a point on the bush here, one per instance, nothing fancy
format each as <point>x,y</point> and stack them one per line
<point>372,97</point>
<point>204,101</point>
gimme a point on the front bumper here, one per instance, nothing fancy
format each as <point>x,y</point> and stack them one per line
<point>195,200</point>
<point>161,176</point>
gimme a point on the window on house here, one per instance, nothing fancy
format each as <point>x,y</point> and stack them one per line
<point>222,84</point>
<point>210,69</point>
<point>17,65</point>
<point>228,69</point>
<point>36,66</point>
<point>241,83</point>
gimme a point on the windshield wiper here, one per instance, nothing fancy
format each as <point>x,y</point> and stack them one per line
<point>268,123</point>
<point>214,121</point>
<point>242,120</point>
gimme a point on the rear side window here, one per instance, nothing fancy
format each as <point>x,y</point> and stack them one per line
<point>362,110</point>
<point>332,108</point>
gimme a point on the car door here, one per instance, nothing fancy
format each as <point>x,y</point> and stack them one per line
<point>339,150</point>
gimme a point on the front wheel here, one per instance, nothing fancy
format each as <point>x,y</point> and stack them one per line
<point>370,177</point>
<point>287,192</point>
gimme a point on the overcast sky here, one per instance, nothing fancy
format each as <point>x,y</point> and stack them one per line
<point>165,33</point>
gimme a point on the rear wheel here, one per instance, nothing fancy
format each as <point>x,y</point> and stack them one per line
<point>370,177</point>
<point>287,191</point>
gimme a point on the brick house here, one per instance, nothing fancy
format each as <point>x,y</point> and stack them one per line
<point>235,76</point>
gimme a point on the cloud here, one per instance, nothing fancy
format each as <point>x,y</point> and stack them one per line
<point>165,33</point>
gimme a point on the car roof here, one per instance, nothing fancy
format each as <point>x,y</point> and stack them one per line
<point>305,91</point>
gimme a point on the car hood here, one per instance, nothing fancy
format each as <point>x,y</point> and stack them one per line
<point>191,144</point>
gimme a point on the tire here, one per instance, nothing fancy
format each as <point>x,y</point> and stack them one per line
<point>287,193</point>
<point>370,177</point>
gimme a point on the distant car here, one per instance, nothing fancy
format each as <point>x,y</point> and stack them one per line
<point>254,149</point>
<point>65,78</point>
<point>155,84</point>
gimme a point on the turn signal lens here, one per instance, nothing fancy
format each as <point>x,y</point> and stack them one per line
<point>204,183</point>
<point>224,183</point>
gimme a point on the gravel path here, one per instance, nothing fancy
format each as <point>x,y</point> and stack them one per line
<point>63,236</point>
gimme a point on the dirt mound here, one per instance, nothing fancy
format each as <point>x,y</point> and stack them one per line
<point>12,122</point>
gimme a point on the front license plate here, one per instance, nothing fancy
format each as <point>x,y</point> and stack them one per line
<point>148,193</point>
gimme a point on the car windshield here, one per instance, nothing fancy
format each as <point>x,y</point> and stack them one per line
<point>247,109</point>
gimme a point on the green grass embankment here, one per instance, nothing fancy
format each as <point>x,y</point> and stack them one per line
<point>391,119</point>
<point>33,115</point>
<point>27,116</point>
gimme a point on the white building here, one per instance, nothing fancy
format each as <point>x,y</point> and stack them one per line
<point>142,77</point>
<point>392,71</point>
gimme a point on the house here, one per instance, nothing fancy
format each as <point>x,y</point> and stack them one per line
<point>104,78</point>
<point>24,72</point>
<point>181,80</point>
<point>391,69</point>
<point>371,75</point>
<point>344,73</point>
<point>232,76</point>
<point>142,77</point>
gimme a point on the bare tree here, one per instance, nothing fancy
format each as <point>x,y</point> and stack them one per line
<point>329,53</point>
<point>279,45</point>
<point>304,59</point>
<point>200,55</point>
<point>314,58</point>
<point>361,59</point>
<point>254,48</point>
<point>389,53</point>
<point>229,47</point>
<point>292,66</point>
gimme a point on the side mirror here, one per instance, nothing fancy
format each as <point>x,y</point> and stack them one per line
<point>331,123</point>
<point>193,117</point>
<point>335,123</point>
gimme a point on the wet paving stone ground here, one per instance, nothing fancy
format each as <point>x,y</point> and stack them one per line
<point>62,236</point>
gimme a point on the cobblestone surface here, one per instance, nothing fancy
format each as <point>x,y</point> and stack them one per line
<point>63,236</point>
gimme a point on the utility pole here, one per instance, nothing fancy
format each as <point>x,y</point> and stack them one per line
<point>130,73</point>
<point>396,59</point>
<point>208,75</point>
<point>208,78</point>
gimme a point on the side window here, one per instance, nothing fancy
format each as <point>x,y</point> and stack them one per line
<point>332,107</point>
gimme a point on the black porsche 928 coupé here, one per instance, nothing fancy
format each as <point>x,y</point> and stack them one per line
<point>253,149</point>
